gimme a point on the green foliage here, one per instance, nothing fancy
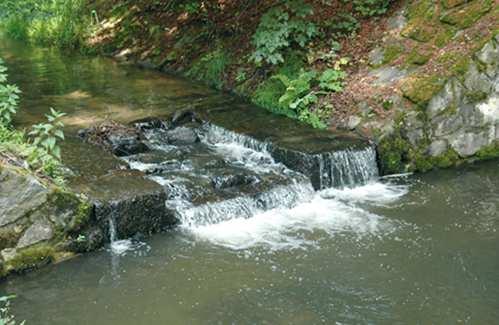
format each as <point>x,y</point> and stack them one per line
<point>192,7</point>
<point>332,79</point>
<point>6,318</point>
<point>302,94</point>
<point>43,153</point>
<point>343,24</point>
<point>210,68</point>
<point>9,97</point>
<point>369,8</point>
<point>61,23</point>
<point>46,135</point>
<point>279,29</point>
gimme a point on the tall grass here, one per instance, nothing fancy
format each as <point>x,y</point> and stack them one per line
<point>60,23</point>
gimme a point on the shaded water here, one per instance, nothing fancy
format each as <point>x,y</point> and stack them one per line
<point>419,249</point>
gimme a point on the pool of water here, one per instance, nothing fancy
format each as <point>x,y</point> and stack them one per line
<point>414,249</point>
<point>408,249</point>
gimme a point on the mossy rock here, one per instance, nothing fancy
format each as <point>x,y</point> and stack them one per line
<point>10,234</point>
<point>467,15</point>
<point>29,258</point>
<point>445,34</point>
<point>420,89</point>
<point>455,63</point>
<point>69,211</point>
<point>422,162</point>
<point>392,153</point>
<point>476,96</point>
<point>419,30</point>
<point>489,152</point>
<point>452,3</point>
<point>391,52</point>
<point>418,57</point>
<point>421,9</point>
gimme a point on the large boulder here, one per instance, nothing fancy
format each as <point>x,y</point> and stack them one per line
<point>36,219</point>
<point>129,201</point>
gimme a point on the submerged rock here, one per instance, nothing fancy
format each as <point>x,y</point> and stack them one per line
<point>117,138</point>
<point>182,136</point>
<point>226,181</point>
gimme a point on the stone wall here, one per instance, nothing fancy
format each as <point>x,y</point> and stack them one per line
<point>459,123</point>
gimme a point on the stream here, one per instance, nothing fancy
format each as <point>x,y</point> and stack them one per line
<point>349,247</point>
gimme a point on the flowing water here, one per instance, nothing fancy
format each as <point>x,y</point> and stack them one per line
<point>360,250</point>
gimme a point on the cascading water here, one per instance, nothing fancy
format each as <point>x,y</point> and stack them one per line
<point>237,191</point>
<point>347,168</point>
<point>118,247</point>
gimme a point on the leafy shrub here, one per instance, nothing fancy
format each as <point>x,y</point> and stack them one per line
<point>9,97</point>
<point>280,28</point>
<point>301,94</point>
<point>332,79</point>
<point>41,153</point>
<point>343,24</point>
<point>46,135</point>
<point>369,8</point>
<point>61,23</point>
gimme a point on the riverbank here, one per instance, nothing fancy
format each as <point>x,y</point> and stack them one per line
<point>421,77</point>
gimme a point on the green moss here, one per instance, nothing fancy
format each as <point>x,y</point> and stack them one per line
<point>448,159</point>
<point>476,96</point>
<point>67,202</point>
<point>452,3</point>
<point>461,66</point>
<point>418,57</point>
<point>419,30</point>
<point>9,236</point>
<point>29,258</point>
<point>293,64</point>
<point>422,9</point>
<point>489,152</point>
<point>467,15</point>
<point>422,162</point>
<point>268,93</point>
<point>392,152</point>
<point>391,52</point>
<point>420,89</point>
<point>82,215</point>
<point>444,36</point>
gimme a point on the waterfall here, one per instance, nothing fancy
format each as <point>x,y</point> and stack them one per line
<point>342,168</point>
<point>118,247</point>
<point>217,134</point>
<point>245,206</point>
<point>112,229</point>
<point>259,177</point>
<point>347,168</point>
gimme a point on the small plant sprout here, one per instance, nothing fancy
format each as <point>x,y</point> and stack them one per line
<point>47,135</point>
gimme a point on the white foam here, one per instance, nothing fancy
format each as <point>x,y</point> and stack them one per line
<point>374,192</point>
<point>120,247</point>
<point>244,155</point>
<point>283,228</point>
